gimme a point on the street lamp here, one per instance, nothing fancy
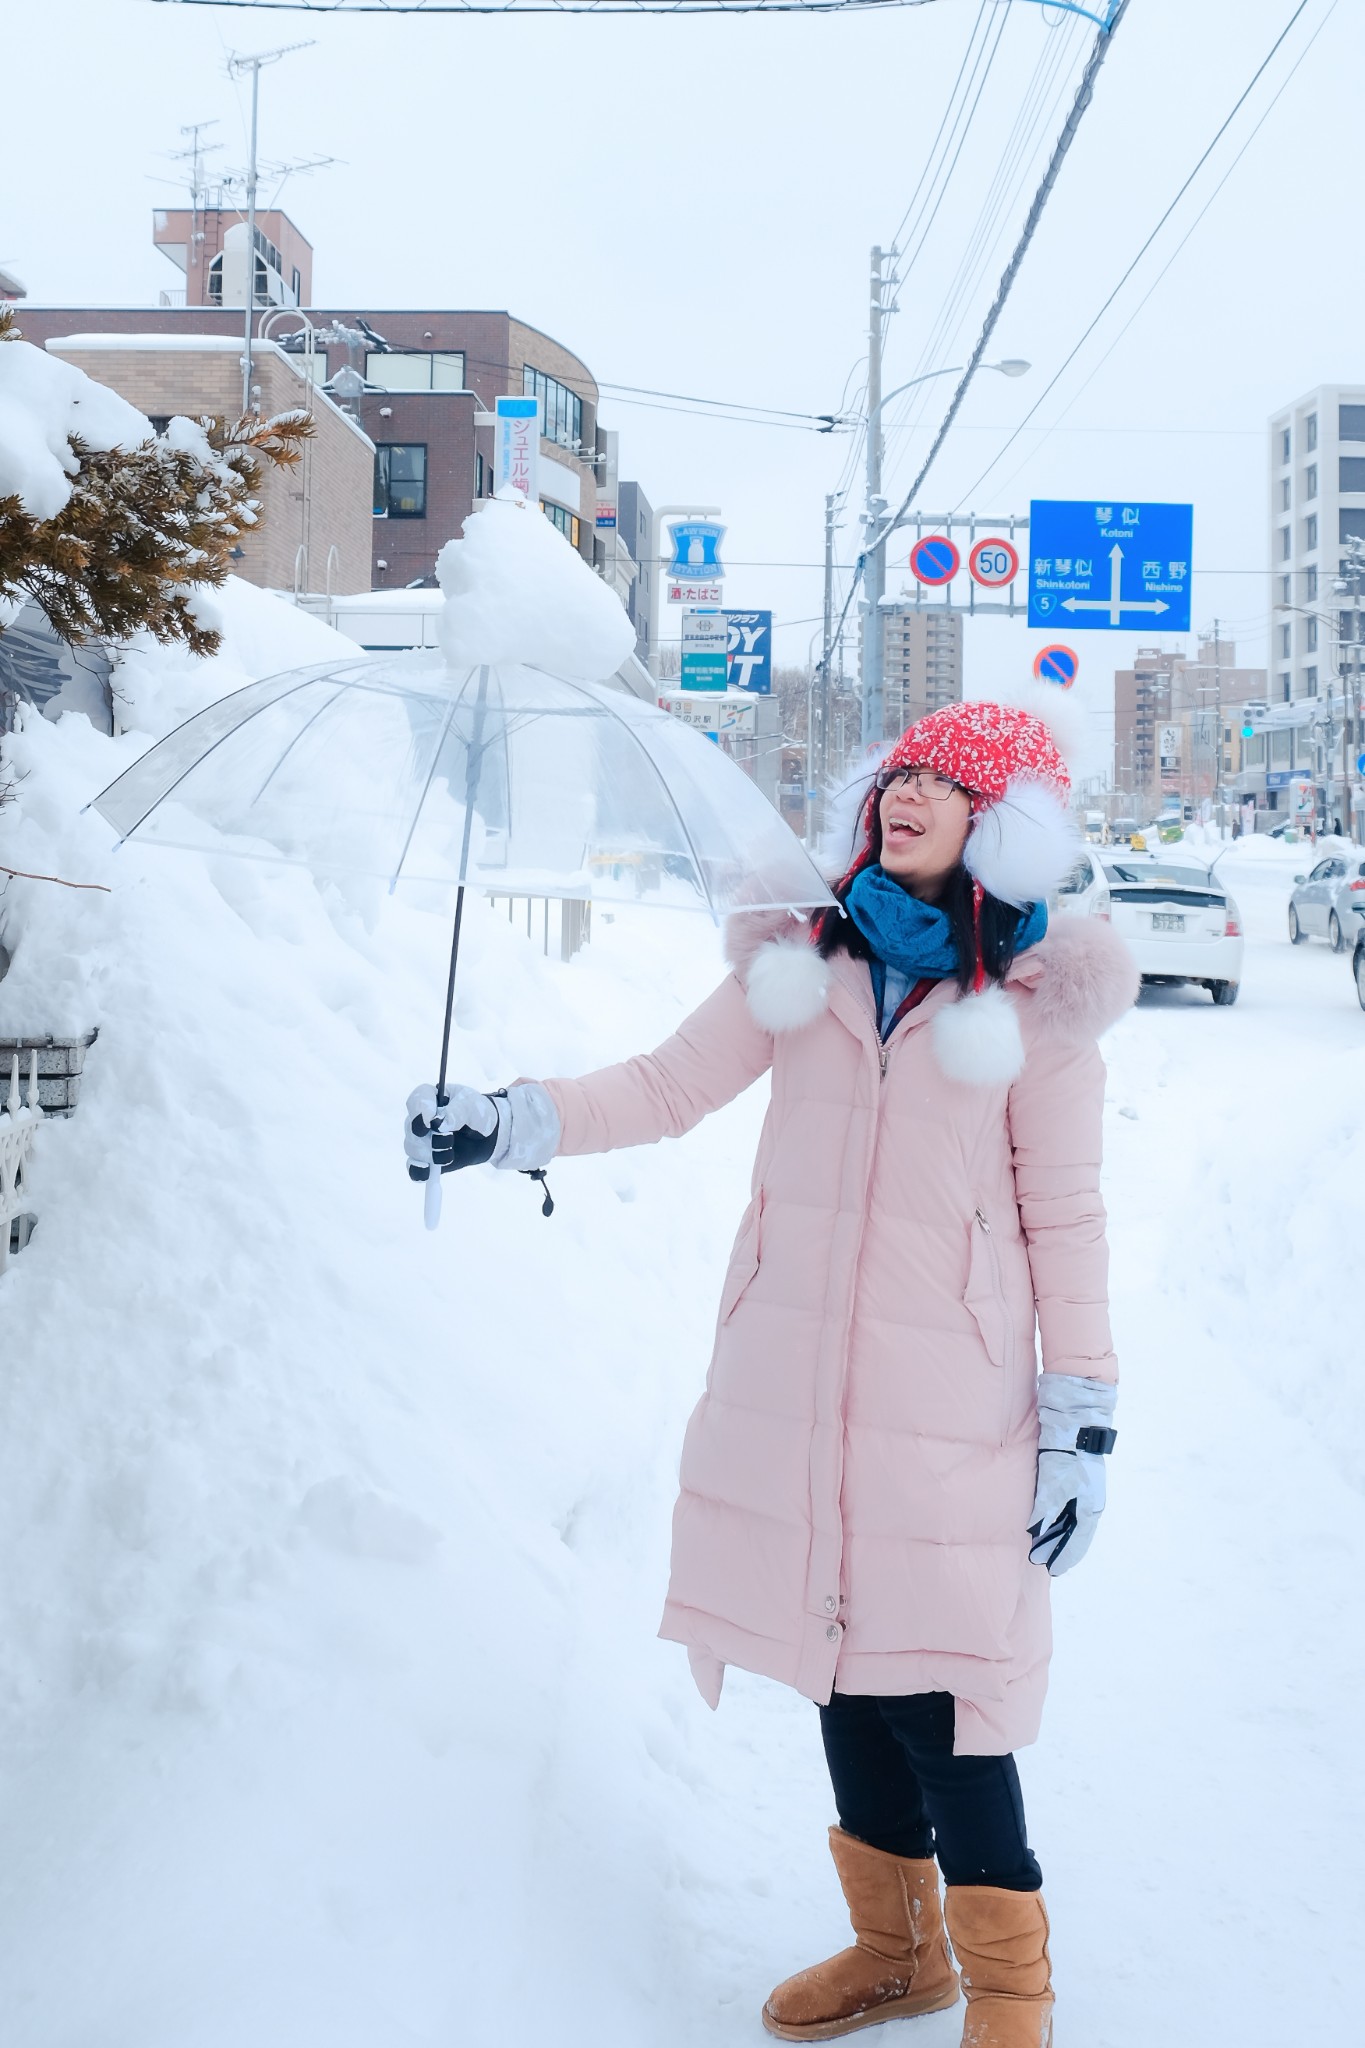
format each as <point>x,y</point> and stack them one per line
<point>875,533</point>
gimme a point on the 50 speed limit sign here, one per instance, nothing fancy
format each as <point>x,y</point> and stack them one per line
<point>993,563</point>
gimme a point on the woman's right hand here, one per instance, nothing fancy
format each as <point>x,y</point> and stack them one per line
<point>461,1130</point>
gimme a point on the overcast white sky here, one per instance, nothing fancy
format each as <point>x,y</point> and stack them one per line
<point>689,205</point>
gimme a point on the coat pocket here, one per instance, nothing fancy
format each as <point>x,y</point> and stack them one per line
<point>985,1295</point>
<point>744,1259</point>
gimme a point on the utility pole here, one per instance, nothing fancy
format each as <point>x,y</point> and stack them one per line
<point>819,758</point>
<point>1218,723</point>
<point>237,68</point>
<point>874,511</point>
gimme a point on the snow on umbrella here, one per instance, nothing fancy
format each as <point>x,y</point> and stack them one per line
<point>500,764</point>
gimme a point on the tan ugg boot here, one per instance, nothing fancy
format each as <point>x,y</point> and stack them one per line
<point>898,1965</point>
<point>1000,1941</point>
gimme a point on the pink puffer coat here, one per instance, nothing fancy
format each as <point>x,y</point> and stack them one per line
<point>857,1477</point>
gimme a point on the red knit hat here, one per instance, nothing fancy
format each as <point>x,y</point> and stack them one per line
<point>1009,759</point>
<point>985,747</point>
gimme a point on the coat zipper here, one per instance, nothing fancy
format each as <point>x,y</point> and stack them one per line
<point>1007,1373</point>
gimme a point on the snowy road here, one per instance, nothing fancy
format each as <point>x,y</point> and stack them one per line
<point>331,1713</point>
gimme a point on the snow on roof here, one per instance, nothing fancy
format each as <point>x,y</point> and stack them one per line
<point>207,344</point>
<point>60,344</point>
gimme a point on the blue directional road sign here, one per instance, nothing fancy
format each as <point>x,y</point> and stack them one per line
<point>1109,568</point>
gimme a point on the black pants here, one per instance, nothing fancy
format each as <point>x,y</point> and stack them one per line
<point>898,1786</point>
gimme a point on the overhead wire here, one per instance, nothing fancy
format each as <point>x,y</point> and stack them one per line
<point>1103,43</point>
<point>1056,426</point>
<point>1070,358</point>
<point>1034,116</point>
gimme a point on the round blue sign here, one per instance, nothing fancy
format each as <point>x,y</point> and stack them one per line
<point>1057,664</point>
<point>935,559</point>
<point>1360,764</point>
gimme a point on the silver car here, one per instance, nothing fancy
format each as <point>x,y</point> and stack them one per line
<point>1329,902</point>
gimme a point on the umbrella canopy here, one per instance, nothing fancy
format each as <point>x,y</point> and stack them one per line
<point>503,778</point>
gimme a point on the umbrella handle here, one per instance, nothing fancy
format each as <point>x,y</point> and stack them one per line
<point>431,1199</point>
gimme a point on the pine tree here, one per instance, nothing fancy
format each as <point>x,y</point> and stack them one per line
<point>144,524</point>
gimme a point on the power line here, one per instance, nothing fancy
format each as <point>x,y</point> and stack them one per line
<point>1066,364</point>
<point>614,9</point>
<point>1084,94</point>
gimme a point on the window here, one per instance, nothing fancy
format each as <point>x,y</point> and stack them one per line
<point>1310,531</point>
<point>1285,591</point>
<point>560,516</point>
<point>1310,583</point>
<point>419,370</point>
<point>400,481</point>
<point>1352,476</point>
<point>1351,525</point>
<point>1284,689</point>
<point>1286,446</point>
<point>1310,432</point>
<point>1279,744</point>
<point>1312,640</point>
<point>1311,679</point>
<point>1351,423</point>
<point>296,284</point>
<point>1286,642</point>
<point>561,410</point>
<point>1286,543</point>
<point>482,471</point>
<point>1285,499</point>
<point>1310,480</point>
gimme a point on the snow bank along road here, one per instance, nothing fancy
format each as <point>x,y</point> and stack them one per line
<point>331,1714</point>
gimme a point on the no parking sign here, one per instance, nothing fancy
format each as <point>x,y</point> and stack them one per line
<point>935,559</point>
<point>1057,664</point>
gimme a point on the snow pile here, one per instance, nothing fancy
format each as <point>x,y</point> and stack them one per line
<point>516,591</point>
<point>44,405</point>
<point>330,1705</point>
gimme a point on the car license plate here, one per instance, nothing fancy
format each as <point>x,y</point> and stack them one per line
<point>1167,921</point>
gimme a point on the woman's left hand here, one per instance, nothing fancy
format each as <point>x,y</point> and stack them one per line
<point>1076,1433</point>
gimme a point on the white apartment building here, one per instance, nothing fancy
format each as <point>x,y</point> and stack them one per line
<point>1317,503</point>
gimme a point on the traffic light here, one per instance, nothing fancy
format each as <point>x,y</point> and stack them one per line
<point>1248,731</point>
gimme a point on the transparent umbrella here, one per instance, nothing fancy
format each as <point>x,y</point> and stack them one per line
<point>503,779</point>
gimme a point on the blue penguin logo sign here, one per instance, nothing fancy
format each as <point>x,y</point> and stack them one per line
<point>696,550</point>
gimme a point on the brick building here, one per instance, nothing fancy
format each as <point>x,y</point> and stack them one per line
<point>315,529</point>
<point>1166,723</point>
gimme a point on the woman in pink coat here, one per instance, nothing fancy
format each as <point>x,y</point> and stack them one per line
<point>877,1481</point>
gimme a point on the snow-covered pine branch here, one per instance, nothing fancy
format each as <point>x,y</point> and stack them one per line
<point>107,526</point>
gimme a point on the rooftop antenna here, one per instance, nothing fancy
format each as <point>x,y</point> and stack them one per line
<point>238,67</point>
<point>194,156</point>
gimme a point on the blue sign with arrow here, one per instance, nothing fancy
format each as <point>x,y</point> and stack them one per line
<point>1109,567</point>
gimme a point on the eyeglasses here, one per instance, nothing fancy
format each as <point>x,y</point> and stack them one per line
<point>918,782</point>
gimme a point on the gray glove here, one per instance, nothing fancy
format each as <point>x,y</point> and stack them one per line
<point>518,1129</point>
<point>1075,1432</point>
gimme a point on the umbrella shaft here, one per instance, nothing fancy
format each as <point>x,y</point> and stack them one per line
<point>450,993</point>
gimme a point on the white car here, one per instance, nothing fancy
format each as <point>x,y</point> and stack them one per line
<point>1179,920</point>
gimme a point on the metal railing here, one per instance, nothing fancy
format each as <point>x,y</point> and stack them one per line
<point>19,1123</point>
<point>575,920</point>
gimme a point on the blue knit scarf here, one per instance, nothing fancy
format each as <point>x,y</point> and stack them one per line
<point>913,937</point>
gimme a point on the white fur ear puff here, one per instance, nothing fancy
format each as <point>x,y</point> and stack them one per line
<point>1020,848</point>
<point>978,1039</point>
<point>787,985</point>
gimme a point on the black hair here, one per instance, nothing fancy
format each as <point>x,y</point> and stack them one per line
<point>1000,922</point>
